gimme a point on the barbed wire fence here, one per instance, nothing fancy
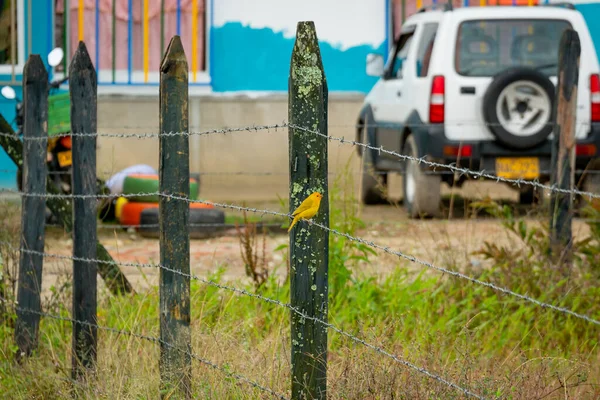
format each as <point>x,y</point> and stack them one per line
<point>308,170</point>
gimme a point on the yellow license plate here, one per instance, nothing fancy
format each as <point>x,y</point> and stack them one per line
<point>518,168</point>
<point>64,158</point>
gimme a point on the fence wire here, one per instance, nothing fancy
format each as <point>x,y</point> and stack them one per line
<point>358,240</point>
<point>158,341</point>
<point>150,135</point>
<point>459,170</point>
<point>244,292</point>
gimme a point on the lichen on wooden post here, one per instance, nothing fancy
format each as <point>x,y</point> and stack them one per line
<point>563,146</point>
<point>83,90</point>
<point>35,138</point>
<point>174,178</point>
<point>309,244</point>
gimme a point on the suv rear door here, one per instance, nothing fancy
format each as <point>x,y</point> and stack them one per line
<point>390,101</point>
<point>485,47</point>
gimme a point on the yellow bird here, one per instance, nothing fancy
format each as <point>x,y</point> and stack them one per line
<point>307,209</point>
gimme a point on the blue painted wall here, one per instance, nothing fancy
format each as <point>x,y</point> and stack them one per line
<point>591,14</point>
<point>259,59</point>
<point>41,29</point>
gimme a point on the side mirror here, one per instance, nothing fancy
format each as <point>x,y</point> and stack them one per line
<point>374,65</point>
<point>55,57</point>
<point>8,92</point>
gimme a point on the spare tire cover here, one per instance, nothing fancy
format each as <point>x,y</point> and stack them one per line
<point>518,107</point>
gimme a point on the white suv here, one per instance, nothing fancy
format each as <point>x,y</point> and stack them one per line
<point>475,86</point>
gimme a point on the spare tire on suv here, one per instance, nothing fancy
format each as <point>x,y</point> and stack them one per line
<point>518,107</point>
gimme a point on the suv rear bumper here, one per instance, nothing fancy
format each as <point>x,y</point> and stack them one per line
<point>433,142</point>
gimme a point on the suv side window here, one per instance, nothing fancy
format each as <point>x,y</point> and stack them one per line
<point>426,48</point>
<point>397,63</point>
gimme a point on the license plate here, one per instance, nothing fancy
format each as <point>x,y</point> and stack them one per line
<point>64,158</point>
<point>518,168</point>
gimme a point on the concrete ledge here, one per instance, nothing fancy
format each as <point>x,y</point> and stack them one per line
<point>138,95</point>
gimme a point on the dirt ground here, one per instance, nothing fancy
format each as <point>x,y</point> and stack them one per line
<point>445,242</point>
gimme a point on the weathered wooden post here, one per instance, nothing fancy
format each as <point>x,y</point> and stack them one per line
<point>309,244</point>
<point>563,146</point>
<point>174,175</point>
<point>83,89</point>
<point>33,215</point>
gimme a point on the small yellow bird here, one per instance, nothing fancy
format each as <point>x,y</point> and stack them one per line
<point>307,209</point>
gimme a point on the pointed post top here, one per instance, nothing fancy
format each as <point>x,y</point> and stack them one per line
<point>306,67</point>
<point>34,69</point>
<point>174,55</point>
<point>82,62</point>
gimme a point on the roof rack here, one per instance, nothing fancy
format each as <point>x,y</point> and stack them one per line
<point>564,4</point>
<point>444,7</point>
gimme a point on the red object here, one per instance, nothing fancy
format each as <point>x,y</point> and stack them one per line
<point>585,150</point>
<point>465,151</point>
<point>595,97</point>
<point>436,101</point>
<point>66,142</point>
<point>132,211</point>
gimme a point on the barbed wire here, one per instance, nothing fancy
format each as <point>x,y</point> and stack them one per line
<point>244,292</point>
<point>368,243</point>
<point>263,173</point>
<point>158,341</point>
<point>460,170</point>
<point>147,135</point>
<point>284,124</point>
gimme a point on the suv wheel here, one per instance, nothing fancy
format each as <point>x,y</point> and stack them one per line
<point>421,192</point>
<point>517,106</point>
<point>374,182</point>
<point>530,195</point>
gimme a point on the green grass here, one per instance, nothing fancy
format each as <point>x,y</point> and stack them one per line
<point>490,343</point>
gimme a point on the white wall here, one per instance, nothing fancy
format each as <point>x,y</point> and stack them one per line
<point>342,23</point>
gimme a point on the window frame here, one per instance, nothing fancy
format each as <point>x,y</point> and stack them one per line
<point>424,46</point>
<point>406,32</point>
<point>7,69</point>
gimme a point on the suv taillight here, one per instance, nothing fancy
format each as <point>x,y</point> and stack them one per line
<point>595,97</point>
<point>436,101</point>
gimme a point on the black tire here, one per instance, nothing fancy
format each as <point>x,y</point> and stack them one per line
<point>530,195</point>
<point>421,193</point>
<point>374,182</point>
<point>213,219</point>
<point>490,99</point>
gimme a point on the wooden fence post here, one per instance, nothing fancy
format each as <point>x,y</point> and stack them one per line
<point>33,210</point>
<point>563,146</point>
<point>174,178</point>
<point>309,244</point>
<point>83,89</point>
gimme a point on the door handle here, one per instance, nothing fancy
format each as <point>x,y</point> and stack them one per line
<point>398,93</point>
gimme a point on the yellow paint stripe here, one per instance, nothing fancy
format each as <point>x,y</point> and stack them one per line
<point>80,12</point>
<point>194,38</point>
<point>146,42</point>
<point>419,4</point>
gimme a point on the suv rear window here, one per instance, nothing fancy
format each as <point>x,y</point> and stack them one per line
<point>486,47</point>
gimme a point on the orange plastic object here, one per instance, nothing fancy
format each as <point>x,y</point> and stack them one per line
<point>131,212</point>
